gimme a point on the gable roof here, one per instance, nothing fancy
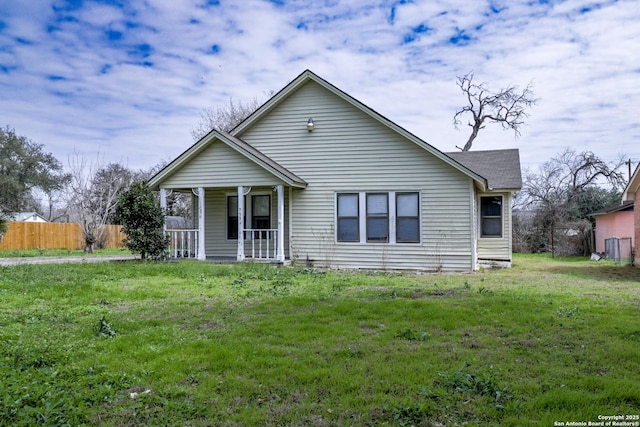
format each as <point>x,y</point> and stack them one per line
<point>633,186</point>
<point>28,216</point>
<point>238,145</point>
<point>501,168</point>
<point>307,76</point>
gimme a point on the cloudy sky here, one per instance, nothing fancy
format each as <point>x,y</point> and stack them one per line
<point>129,79</point>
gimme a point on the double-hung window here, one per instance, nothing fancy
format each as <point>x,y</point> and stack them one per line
<point>378,217</point>
<point>260,214</point>
<point>407,218</point>
<point>232,217</point>
<point>257,209</point>
<point>348,213</point>
<point>491,216</point>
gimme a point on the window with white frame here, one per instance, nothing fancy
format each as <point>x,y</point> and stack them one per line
<point>232,217</point>
<point>378,217</point>
<point>491,216</point>
<point>257,209</point>
<point>407,218</point>
<point>348,214</point>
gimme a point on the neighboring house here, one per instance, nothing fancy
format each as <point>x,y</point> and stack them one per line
<point>28,217</point>
<point>316,176</point>
<point>621,220</point>
<point>613,221</point>
<point>630,194</point>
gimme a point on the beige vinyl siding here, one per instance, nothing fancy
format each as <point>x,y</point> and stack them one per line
<point>492,248</point>
<point>216,243</point>
<point>350,152</point>
<point>219,165</point>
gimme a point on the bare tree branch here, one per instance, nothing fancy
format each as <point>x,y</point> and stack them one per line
<point>507,107</point>
<point>225,117</point>
<point>93,195</point>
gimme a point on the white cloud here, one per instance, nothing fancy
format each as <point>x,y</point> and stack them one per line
<point>131,82</point>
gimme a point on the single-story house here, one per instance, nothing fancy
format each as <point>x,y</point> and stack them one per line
<point>613,221</point>
<point>28,217</point>
<point>631,194</point>
<point>314,175</point>
<point>621,220</point>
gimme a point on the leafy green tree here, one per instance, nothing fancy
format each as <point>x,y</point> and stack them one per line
<point>142,221</point>
<point>25,166</point>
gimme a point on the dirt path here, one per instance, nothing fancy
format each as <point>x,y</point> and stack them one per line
<point>61,260</point>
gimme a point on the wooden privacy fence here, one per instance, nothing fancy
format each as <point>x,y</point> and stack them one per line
<point>54,235</point>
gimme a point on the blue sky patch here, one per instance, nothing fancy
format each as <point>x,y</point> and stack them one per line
<point>145,49</point>
<point>67,5</point>
<point>206,4</point>
<point>113,35</point>
<point>394,7</point>
<point>55,78</point>
<point>416,33</point>
<point>215,49</point>
<point>141,51</point>
<point>461,38</point>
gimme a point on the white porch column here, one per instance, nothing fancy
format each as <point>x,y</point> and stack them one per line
<point>201,251</point>
<point>163,206</point>
<point>280,249</point>
<point>240,256</point>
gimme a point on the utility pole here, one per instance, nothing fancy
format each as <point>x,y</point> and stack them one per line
<point>628,163</point>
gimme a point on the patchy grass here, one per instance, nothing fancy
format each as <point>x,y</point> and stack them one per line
<point>32,253</point>
<point>200,344</point>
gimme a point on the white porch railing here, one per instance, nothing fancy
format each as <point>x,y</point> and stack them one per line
<point>183,243</point>
<point>261,244</point>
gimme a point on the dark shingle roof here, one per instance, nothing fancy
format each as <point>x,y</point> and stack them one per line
<point>501,168</point>
<point>624,206</point>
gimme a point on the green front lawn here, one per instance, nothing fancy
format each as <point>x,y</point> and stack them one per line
<point>199,344</point>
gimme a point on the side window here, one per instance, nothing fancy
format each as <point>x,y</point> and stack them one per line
<point>491,216</point>
<point>232,217</point>
<point>261,212</point>
<point>407,218</point>
<point>348,218</point>
<point>377,217</point>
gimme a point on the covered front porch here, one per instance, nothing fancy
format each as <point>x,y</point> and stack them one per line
<point>256,214</point>
<point>240,200</point>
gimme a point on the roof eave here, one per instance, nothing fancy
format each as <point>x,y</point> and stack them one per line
<point>289,179</point>
<point>633,185</point>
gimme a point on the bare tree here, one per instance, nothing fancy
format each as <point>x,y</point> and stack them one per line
<point>93,196</point>
<point>507,107</point>
<point>564,177</point>
<point>225,117</point>
<point>567,189</point>
<point>178,203</point>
